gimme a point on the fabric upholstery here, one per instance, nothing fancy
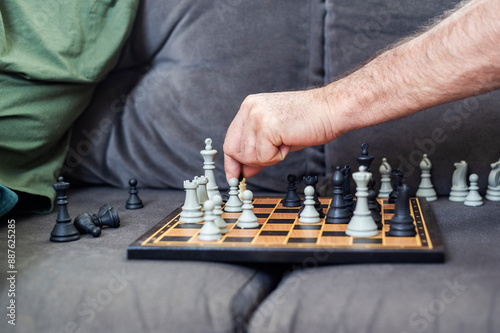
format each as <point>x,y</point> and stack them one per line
<point>463,130</point>
<point>460,295</point>
<point>187,86</point>
<point>89,285</point>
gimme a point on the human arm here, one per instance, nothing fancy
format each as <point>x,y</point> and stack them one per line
<point>454,59</point>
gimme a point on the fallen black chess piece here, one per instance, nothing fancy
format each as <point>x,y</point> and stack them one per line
<point>92,224</point>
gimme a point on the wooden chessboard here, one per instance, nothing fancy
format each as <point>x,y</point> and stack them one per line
<point>281,238</point>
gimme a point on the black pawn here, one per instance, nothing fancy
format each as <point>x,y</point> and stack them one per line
<point>64,230</point>
<point>133,202</point>
<point>292,199</point>
<point>107,216</point>
<point>313,181</point>
<point>373,206</point>
<point>397,179</point>
<point>338,213</point>
<point>402,221</point>
<point>84,224</point>
<point>348,197</point>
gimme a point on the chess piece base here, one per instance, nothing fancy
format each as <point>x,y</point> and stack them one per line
<point>64,232</point>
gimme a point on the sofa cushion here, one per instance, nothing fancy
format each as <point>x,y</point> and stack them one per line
<point>185,72</point>
<point>89,285</point>
<point>460,295</point>
<point>463,130</point>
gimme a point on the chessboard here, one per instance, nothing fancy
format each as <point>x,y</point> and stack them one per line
<point>281,238</point>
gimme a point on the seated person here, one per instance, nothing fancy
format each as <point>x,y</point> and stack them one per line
<point>50,66</point>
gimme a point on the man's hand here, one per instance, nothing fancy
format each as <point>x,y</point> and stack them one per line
<point>269,126</point>
<point>454,59</point>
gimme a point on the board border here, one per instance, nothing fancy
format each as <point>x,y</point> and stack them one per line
<point>310,256</point>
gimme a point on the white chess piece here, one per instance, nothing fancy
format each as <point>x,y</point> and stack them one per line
<point>309,214</point>
<point>202,189</point>
<point>459,188</point>
<point>191,210</point>
<point>219,221</point>
<point>426,189</point>
<point>233,204</point>
<point>209,231</point>
<point>493,190</point>
<point>385,181</point>
<point>209,166</point>
<point>247,219</point>
<point>362,223</point>
<point>242,187</point>
<point>473,199</point>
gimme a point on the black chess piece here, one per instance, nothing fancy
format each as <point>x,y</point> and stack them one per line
<point>292,199</point>
<point>107,216</point>
<point>365,159</point>
<point>84,224</point>
<point>133,202</point>
<point>397,179</point>
<point>64,230</point>
<point>348,197</point>
<point>313,181</point>
<point>338,212</point>
<point>402,221</point>
<point>373,206</point>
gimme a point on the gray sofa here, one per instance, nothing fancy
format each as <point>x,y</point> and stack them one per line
<point>184,72</point>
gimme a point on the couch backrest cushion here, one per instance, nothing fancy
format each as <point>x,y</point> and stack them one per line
<point>186,70</point>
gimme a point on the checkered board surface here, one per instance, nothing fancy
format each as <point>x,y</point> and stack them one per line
<point>281,238</point>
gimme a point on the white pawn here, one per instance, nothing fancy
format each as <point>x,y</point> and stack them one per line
<point>362,223</point>
<point>233,204</point>
<point>459,188</point>
<point>385,181</point>
<point>473,199</point>
<point>202,189</point>
<point>219,221</point>
<point>247,219</point>
<point>493,190</point>
<point>309,214</point>
<point>191,211</point>
<point>426,189</point>
<point>209,231</point>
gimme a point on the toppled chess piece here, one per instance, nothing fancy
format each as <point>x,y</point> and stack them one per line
<point>92,224</point>
<point>107,216</point>
<point>64,230</point>
<point>133,202</point>
<point>84,224</point>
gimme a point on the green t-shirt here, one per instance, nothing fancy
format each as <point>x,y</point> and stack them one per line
<point>52,55</point>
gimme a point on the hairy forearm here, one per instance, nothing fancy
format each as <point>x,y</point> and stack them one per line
<point>457,58</point>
